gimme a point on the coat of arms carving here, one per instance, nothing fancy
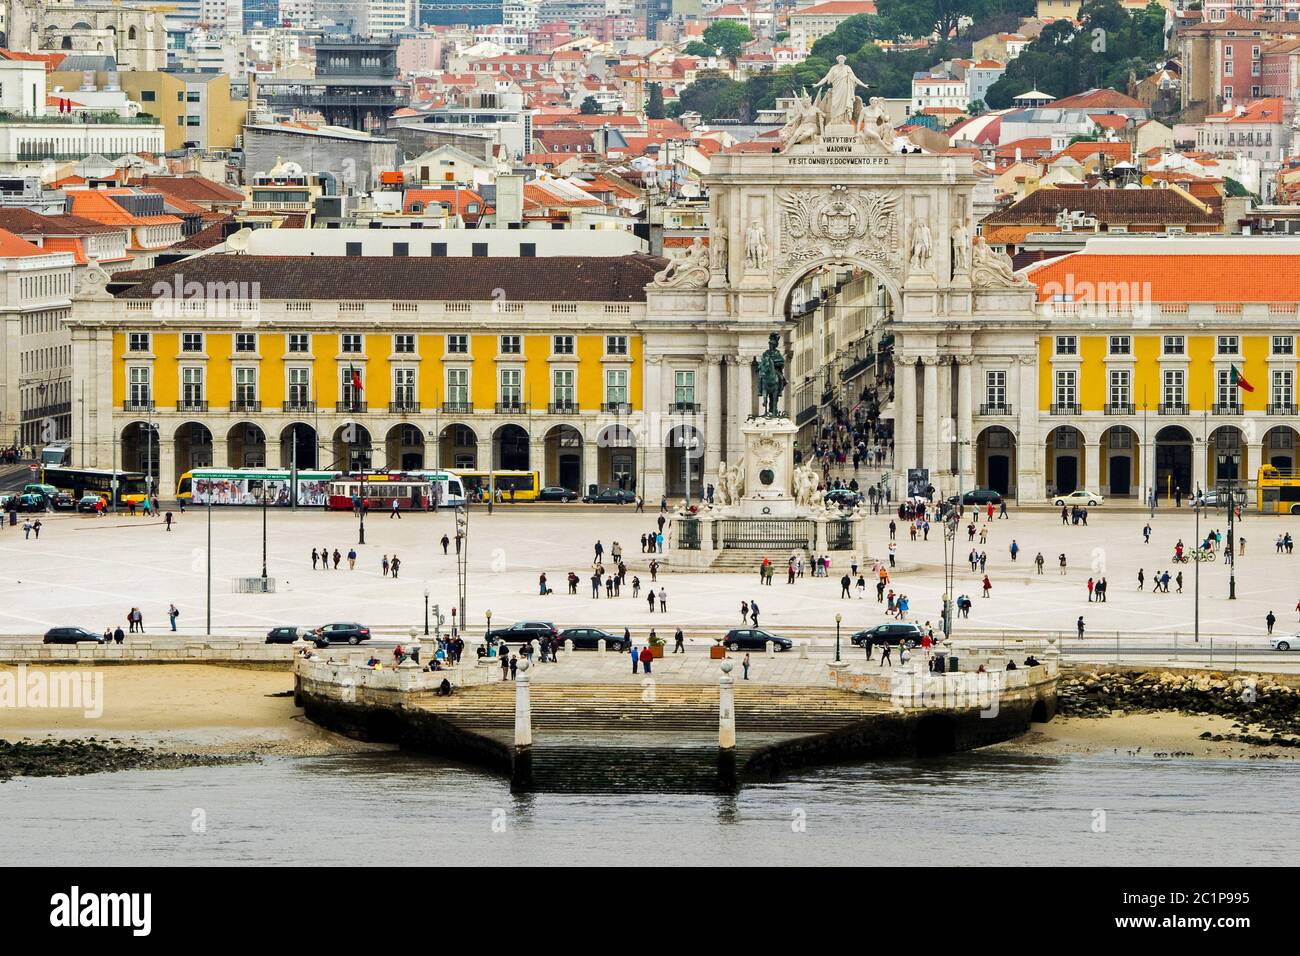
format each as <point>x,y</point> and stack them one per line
<point>838,222</point>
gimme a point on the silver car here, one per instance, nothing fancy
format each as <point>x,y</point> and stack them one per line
<point>1285,642</point>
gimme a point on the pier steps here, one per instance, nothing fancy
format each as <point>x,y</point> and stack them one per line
<point>582,707</point>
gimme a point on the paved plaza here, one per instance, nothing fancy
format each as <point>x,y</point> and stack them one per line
<point>88,571</point>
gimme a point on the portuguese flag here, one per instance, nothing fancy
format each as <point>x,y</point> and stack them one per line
<point>1240,381</point>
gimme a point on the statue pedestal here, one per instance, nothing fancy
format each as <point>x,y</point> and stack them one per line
<point>769,467</point>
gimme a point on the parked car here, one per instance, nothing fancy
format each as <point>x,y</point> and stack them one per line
<point>345,632</point>
<point>37,488</point>
<point>71,635</point>
<point>1284,643</point>
<point>557,493</point>
<point>522,631</point>
<point>89,502</point>
<point>32,502</point>
<point>62,501</point>
<point>752,639</point>
<point>585,638</point>
<point>1217,499</point>
<point>610,496</point>
<point>892,633</point>
<point>287,635</point>
<point>842,497</point>
<point>979,496</point>
<point>1079,497</point>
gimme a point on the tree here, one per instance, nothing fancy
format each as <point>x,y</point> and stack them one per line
<point>696,48</point>
<point>590,107</point>
<point>728,36</point>
<point>654,107</point>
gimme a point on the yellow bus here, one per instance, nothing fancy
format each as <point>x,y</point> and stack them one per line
<point>1278,491</point>
<point>510,485</point>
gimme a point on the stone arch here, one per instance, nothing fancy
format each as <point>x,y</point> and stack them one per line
<point>511,447</point>
<point>935,734</point>
<point>307,446</point>
<point>996,459</point>
<point>1038,713</point>
<point>1173,469</point>
<point>1225,456</point>
<point>404,447</point>
<point>193,448</point>
<point>618,457</point>
<point>458,447</point>
<point>684,461</point>
<point>787,285</point>
<point>140,448</point>
<point>246,445</point>
<point>352,450</point>
<point>563,457</point>
<point>1280,447</point>
<point>1121,462</point>
<point>1064,464</point>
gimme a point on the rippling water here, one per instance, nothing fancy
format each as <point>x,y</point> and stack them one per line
<point>391,808</point>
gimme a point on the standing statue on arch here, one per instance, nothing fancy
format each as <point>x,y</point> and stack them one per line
<point>771,377</point>
<point>839,101</point>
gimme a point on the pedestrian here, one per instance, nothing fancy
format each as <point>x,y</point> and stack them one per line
<point>337,558</point>
<point>36,528</point>
<point>1039,562</point>
<point>636,656</point>
<point>1079,625</point>
<point>679,642</point>
<point>1015,549</point>
<point>745,666</point>
<point>446,541</point>
<point>352,559</point>
<point>27,529</point>
<point>314,558</point>
<point>884,653</point>
<point>663,601</point>
<point>1146,534</point>
<point>845,582</point>
<point>753,613</point>
<point>514,665</point>
<point>650,599</point>
<point>172,614</point>
<point>1090,586</point>
<point>384,565</point>
<point>396,512</point>
<point>1178,579</point>
<point>1141,579</point>
<point>1061,561</point>
<point>600,550</point>
<point>1270,620</point>
<point>324,559</point>
<point>395,564</point>
<point>988,585</point>
<point>167,519</point>
<point>893,547</point>
<point>647,657</point>
<point>744,611</point>
<point>118,636</point>
<point>504,651</point>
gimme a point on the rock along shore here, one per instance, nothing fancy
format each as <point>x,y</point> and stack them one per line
<point>64,758</point>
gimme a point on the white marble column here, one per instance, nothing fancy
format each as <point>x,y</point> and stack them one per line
<point>744,388</point>
<point>1091,480</point>
<point>652,432</point>
<point>713,419</point>
<point>904,415</point>
<point>590,465</point>
<point>947,423</point>
<point>964,421</point>
<point>1198,467</point>
<point>930,414</point>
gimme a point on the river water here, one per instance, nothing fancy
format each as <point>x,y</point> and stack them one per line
<point>393,808</point>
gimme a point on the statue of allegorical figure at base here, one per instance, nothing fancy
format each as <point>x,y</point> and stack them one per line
<point>771,377</point>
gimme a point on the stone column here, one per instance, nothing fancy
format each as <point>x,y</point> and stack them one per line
<point>1198,467</point>
<point>965,390</point>
<point>484,455</point>
<point>744,388</point>
<point>904,417</point>
<point>166,486</point>
<point>1091,467</point>
<point>946,421</point>
<point>652,432</point>
<point>930,413</point>
<point>726,709</point>
<point>220,451</point>
<point>713,419</point>
<point>523,707</point>
<point>590,465</point>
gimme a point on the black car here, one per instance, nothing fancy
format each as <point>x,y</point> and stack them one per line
<point>63,501</point>
<point>585,638</point>
<point>345,632</point>
<point>979,496</point>
<point>897,633</point>
<point>523,631</point>
<point>843,497</point>
<point>71,635</point>
<point>287,635</point>
<point>557,493</point>
<point>611,496</point>
<point>89,503</point>
<point>752,639</point>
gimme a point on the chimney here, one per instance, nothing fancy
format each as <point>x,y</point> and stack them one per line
<point>510,200</point>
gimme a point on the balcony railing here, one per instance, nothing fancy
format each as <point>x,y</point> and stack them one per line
<point>299,406</point>
<point>616,408</point>
<point>1275,408</point>
<point>683,408</point>
<point>138,405</point>
<point>458,408</point>
<point>245,405</point>
<point>1065,408</point>
<point>511,408</point>
<point>403,407</point>
<point>995,408</point>
<point>191,405</point>
<point>1172,408</point>
<point>1226,408</point>
<point>1119,408</point>
<point>352,408</point>
<point>562,408</point>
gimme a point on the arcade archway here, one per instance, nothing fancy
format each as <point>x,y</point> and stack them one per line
<point>1065,467</point>
<point>1120,462</point>
<point>563,458</point>
<point>995,460</point>
<point>1173,461</point>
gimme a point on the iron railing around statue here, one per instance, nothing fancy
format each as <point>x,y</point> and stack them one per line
<point>688,534</point>
<point>839,534</point>
<point>764,533</point>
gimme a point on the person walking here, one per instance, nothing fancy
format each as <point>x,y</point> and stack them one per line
<point>988,585</point>
<point>446,541</point>
<point>753,613</point>
<point>118,636</point>
<point>600,551</point>
<point>1090,587</point>
<point>745,666</point>
<point>647,658</point>
<point>352,559</point>
<point>172,614</point>
<point>845,583</point>
<point>650,599</point>
<point>384,565</point>
<point>1141,579</point>
<point>884,653</point>
<point>314,558</point>
<point>167,520</point>
<point>636,657</point>
<point>1061,560</point>
<point>1039,562</point>
<point>396,563</point>
<point>337,558</point>
<point>396,512</point>
<point>1079,625</point>
<point>1146,534</point>
<point>663,601</point>
<point>1178,580</point>
<point>679,642</point>
<point>1270,620</point>
<point>1015,549</point>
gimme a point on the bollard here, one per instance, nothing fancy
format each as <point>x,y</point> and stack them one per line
<point>600,646</point>
<point>568,645</point>
<point>523,707</point>
<point>535,649</point>
<point>726,709</point>
<point>803,650</point>
<point>770,648</point>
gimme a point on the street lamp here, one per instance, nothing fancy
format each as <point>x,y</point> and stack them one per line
<point>837,637</point>
<point>426,612</point>
<point>462,561</point>
<point>264,483</point>
<point>361,514</point>
<point>486,633</point>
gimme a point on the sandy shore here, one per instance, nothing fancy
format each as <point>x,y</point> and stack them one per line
<point>190,708</point>
<point>1163,734</point>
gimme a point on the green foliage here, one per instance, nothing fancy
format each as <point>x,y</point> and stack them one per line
<point>696,48</point>
<point>654,107</point>
<point>1234,188</point>
<point>589,107</point>
<point>1112,43</point>
<point>729,37</point>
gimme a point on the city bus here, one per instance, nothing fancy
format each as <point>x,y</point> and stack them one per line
<point>79,482</point>
<point>524,484</point>
<point>244,486</point>
<point>413,491</point>
<point>1278,491</point>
